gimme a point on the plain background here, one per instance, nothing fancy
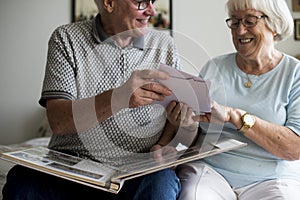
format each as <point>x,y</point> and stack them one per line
<point>27,25</point>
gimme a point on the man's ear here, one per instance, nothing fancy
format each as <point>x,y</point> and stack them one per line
<point>109,5</point>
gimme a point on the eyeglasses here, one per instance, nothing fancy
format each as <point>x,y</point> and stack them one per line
<point>249,21</point>
<point>142,5</point>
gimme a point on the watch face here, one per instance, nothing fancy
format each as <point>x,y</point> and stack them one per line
<point>249,119</point>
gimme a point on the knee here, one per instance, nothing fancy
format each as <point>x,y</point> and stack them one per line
<point>189,171</point>
<point>16,177</point>
<point>17,182</point>
<point>166,177</point>
<point>161,185</point>
<point>25,183</point>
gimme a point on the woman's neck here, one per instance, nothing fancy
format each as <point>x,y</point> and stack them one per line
<point>260,64</point>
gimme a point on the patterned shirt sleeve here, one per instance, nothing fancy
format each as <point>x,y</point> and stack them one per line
<point>59,81</point>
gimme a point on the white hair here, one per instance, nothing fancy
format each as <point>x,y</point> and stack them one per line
<point>279,18</point>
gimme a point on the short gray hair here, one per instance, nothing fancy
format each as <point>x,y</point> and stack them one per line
<point>279,18</point>
<point>99,4</point>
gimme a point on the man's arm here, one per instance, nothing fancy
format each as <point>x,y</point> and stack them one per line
<point>71,116</point>
<point>67,116</point>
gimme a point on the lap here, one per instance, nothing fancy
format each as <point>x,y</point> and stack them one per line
<point>25,183</point>
<point>272,189</point>
<point>199,181</point>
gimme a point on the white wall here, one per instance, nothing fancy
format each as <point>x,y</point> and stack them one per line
<point>203,24</point>
<point>26,26</point>
<point>24,33</point>
<point>290,46</point>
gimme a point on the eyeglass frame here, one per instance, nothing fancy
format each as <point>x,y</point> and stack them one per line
<point>146,4</point>
<point>243,21</point>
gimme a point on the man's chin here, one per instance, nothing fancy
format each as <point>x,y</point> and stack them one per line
<point>139,32</point>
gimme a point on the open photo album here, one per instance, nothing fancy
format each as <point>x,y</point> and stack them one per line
<point>110,178</point>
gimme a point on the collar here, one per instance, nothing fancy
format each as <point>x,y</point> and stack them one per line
<point>101,36</point>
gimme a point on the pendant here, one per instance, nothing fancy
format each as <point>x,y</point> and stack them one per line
<point>248,84</point>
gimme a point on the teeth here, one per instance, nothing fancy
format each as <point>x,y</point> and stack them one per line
<point>143,21</point>
<point>245,40</point>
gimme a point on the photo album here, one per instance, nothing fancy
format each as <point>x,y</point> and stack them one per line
<point>104,177</point>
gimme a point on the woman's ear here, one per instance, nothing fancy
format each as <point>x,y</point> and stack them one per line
<point>276,36</point>
<point>109,5</point>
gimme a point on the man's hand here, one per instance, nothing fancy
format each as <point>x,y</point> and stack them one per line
<point>159,151</point>
<point>140,89</point>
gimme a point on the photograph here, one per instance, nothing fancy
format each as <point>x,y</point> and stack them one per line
<point>163,18</point>
<point>83,10</point>
<point>87,9</point>
<point>296,5</point>
<point>297,29</point>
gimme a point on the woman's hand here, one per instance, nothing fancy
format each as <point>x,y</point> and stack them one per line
<point>180,114</point>
<point>221,114</point>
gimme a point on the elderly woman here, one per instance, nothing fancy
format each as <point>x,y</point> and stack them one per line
<point>261,86</point>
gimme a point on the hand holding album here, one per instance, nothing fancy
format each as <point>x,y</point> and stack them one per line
<point>186,88</point>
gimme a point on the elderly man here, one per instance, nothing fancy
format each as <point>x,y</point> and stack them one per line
<point>98,89</point>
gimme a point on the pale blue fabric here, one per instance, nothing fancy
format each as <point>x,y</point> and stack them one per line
<point>274,97</point>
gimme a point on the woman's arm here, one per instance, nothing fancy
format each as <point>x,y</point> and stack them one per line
<point>278,140</point>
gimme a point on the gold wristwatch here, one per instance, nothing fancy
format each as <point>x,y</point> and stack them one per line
<point>248,121</point>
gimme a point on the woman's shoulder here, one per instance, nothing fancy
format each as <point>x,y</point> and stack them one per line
<point>224,57</point>
<point>291,59</point>
<point>222,60</point>
<point>288,64</point>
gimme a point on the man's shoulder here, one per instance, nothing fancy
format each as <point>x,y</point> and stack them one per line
<point>157,37</point>
<point>75,28</point>
<point>158,33</point>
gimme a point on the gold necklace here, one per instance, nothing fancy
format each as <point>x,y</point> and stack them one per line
<point>248,84</point>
